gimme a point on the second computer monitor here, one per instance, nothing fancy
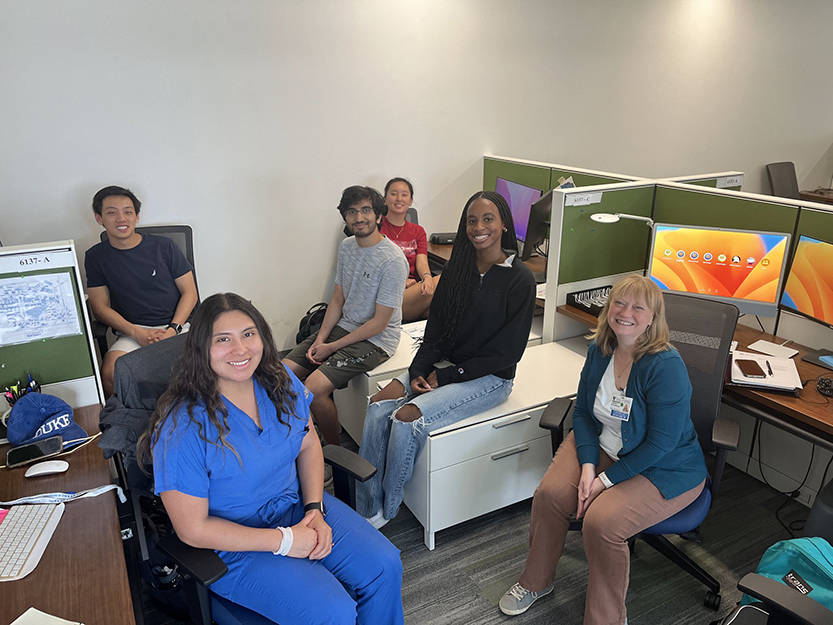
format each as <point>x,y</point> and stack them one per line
<point>744,267</point>
<point>809,288</point>
<point>520,199</point>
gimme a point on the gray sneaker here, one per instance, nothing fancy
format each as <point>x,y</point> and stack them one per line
<point>518,599</point>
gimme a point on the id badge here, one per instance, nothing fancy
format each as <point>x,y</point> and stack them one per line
<point>620,408</point>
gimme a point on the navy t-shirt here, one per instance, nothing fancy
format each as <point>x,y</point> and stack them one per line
<point>141,280</point>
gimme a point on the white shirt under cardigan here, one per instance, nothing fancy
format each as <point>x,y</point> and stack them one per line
<point>610,439</point>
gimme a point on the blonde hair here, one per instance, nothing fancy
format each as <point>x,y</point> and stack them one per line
<point>656,336</point>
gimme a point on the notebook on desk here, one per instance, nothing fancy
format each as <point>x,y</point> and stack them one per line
<point>780,374</point>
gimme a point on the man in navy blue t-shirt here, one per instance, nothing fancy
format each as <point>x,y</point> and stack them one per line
<point>138,284</point>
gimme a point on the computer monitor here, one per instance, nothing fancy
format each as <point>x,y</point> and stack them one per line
<point>743,267</point>
<point>520,199</point>
<point>538,225</point>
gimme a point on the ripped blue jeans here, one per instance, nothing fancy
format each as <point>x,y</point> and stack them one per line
<point>392,446</point>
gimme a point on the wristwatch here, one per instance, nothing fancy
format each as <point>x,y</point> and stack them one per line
<point>316,505</point>
<point>175,327</point>
<point>605,480</point>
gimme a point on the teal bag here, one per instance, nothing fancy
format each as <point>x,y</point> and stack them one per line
<point>805,564</point>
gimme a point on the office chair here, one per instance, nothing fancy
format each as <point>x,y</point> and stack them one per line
<point>140,378</point>
<point>782,180</point>
<point>412,215</point>
<point>777,605</point>
<point>183,236</point>
<point>701,330</point>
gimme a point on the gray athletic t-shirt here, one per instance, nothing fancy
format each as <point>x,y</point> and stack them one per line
<point>370,276</point>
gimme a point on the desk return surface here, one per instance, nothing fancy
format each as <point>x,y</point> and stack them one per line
<point>810,410</point>
<point>82,575</point>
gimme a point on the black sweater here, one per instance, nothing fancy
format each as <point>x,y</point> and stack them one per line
<point>494,331</point>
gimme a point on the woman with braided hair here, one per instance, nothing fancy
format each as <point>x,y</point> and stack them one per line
<point>476,333</point>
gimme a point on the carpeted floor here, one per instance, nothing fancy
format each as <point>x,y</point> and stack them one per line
<point>462,580</point>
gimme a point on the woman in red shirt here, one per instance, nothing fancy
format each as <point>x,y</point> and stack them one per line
<point>420,285</point>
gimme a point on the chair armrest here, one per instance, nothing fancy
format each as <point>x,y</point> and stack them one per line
<point>349,462</point>
<point>204,565</point>
<point>780,598</point>
<point>726,434</point>
<point>555,413</point>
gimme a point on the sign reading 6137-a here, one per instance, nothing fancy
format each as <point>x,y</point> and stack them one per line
<point>34,260</point>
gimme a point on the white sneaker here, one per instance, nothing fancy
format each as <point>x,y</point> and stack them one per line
<point>378,520</point>
<point>518,599</point>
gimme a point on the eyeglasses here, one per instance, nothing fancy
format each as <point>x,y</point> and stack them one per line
<point>352,212</point>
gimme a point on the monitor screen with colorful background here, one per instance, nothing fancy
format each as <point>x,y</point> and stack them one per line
<point>745,267</point>
<point>809,288</point>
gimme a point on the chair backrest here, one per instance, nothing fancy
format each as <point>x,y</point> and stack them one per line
<point>701,331</point>
<point>412,215</point>
<point>181,234</point>
<point>782,180</point>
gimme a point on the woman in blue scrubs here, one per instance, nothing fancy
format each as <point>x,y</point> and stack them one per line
<point>240,470</point>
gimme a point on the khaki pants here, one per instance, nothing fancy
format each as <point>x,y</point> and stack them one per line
<point>614,516</point>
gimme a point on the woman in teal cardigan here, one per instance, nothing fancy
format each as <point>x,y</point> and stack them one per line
<point>631,461</point>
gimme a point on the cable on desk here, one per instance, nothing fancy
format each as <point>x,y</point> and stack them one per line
<point>798,524</point>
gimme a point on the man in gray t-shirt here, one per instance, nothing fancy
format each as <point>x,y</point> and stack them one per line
<point>361,327</point>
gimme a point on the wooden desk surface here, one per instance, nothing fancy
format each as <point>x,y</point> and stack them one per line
<point>82,575</point>
<point>443,253</point>
<point>809,407</point>
<point>825,196</point>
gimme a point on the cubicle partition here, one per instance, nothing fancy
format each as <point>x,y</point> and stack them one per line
<point>731,180</point>
<point>44,327</point>
<point>541,175</point>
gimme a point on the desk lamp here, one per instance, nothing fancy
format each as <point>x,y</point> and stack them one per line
<point>612,218</point>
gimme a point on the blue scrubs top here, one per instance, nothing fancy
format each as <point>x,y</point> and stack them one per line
<point>256,492</point>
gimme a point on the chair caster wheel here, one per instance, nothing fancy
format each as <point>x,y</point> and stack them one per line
<point>712,600</point>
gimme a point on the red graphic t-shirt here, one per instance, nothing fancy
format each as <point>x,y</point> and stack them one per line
<point>410,238</point>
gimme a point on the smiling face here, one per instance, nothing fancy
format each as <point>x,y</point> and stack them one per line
<point>236,350</point>
<point>119,218</point>
<point>629,317</point>
<point>398,199</point>
<point>361,219</point>
<point>484,227</point>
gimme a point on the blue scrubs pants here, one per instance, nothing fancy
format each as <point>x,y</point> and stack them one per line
<point>363,564</point>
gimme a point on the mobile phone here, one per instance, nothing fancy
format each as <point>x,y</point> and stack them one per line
<point>18,456</point>
<point>750,369</point>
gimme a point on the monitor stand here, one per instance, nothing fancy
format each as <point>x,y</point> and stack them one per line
<point>822,358</point>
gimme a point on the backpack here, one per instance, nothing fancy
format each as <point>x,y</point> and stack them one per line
<point>311,322</point>
<point>805,564</point>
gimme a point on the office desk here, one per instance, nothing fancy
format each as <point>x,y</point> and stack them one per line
<point>82,574</point>
<point>825,196</point>
<point>441,253</point>
<point>809,415</point>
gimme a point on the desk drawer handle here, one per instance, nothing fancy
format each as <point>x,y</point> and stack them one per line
<point>511,420</point>
<point>510,452</point>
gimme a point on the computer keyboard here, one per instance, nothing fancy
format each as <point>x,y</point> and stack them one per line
<point>24,535</point>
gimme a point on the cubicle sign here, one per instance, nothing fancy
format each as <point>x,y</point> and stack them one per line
<point>727,182</point>
<point>36,261</point>
<point>583,199</point>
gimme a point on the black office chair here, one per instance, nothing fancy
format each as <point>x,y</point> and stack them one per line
<point>782,180</point>
<point>701,330</point>
<point>183,236</point>
<point>140,378</point>
<point>777,605</point>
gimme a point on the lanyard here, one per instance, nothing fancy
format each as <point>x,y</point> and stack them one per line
<point>66,497</point>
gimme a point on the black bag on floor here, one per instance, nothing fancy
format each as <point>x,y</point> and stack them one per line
<point>311,322</point>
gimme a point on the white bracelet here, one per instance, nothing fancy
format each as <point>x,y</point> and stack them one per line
<point>286,541</point>
<point>605,480</point>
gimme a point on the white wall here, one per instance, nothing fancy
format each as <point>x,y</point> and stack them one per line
<point>246,119</point>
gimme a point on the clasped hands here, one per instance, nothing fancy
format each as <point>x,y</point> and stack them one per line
<point>146,336</point>
<point>319,352</point>
<point>421,385</point>
<point>312,537</point>
<point>589,487</point>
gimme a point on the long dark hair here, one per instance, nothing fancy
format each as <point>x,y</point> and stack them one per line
<point>194,384</point>
<point>460,273</point>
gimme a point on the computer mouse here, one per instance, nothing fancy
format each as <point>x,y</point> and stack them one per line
<point>47,468</point>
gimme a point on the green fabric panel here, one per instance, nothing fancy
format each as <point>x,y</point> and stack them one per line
<point>48,360</point>
<point>581,180</point>
<point>815,224</point>
<point>590,250</point>
<point>529,175</point>
<point>692,208</point>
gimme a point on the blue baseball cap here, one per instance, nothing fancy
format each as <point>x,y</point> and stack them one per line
<point>36,416</point>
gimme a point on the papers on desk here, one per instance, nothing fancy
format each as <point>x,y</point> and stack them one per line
<point>415,329</point>
<point>541,291</point>
<point>33,616</point>
<point>784,376</point>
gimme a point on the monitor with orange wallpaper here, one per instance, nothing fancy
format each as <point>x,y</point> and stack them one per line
<point>809,288</point>
<point>744,267</point>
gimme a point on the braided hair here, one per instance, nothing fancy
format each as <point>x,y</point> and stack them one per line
<point>460,274</point>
